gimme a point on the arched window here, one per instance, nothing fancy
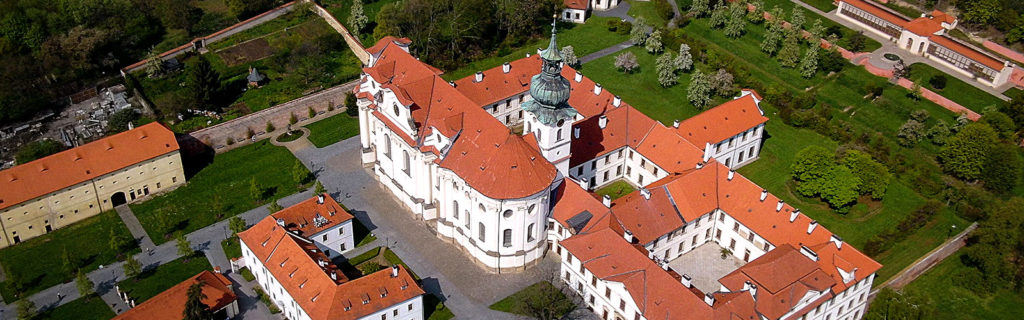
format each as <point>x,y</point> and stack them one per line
<point>527,127</point>
<point>468,220</point>
<point>558,135</point>
<point>506,238</point>
<point>531,208</point>
<point>455,209</point>
<point>387,146</point>
<point>480,230</point>
<point>529,233</point>
<point>405,156</point>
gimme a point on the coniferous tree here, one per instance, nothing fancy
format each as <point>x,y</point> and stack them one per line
<point>236,224</point>
<point>299,173</point>
<point>132,267</point>
<point>184,246</point>
<point>202,83</point>
<point>195,309</point>
<point>27,309</point>
<point>83,284</point>
<point>319,188</point>
<point>255,190</point>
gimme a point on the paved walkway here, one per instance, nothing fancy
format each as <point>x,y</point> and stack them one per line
<point>621,11</point>
<point>445,270</point>
<point>922,265</point>
<point>139,233</point>
<point>606,51</point>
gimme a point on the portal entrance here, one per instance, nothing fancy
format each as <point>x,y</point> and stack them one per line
<point>118,199</point>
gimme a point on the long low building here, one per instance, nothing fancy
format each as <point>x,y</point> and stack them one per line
<point>928,36</point>
<point>66,187</point>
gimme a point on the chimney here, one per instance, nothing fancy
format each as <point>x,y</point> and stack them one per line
<point>646,193</point>
<point>838,241</point>
<point>280,222</point>
<point>700,165</point>
<point>709,299</point>
<point>506,67</point>
<point>394,271</point>
<point>810,226</point>
<point>334,275</point>
<point>628,236</point>
<point>607,201</point>
<point>576,132</point>
<point>585,184</point>
<point>764,194</point>
<point>664,265</point>
<point>452,83</point>
<point>746,285</point>
<point>617,101</point>
<point>793,215</point>
<point>707,152</point>
<point>578,77</point>
<point>753,291</point>
<point>778,207</point>
<point>602,121</point>
<point>597,89</point>
<point>687,281</point>
<point>527,54</point>
<point>479,76</point>
<point>731,174</point>
<point>319,199</point>
<point>809,253</point>
<point>675,124</point>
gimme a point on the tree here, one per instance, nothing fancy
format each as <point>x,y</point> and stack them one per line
<point>891,304</point>
<point>118,240</point>
<point>839,187</point>
<point>938,82</point>
<point>832,61</point>
<point>299,173</point>
<point>719,16</point>
<point>920,115</point>
<point>699,7</point>
<point>991,246</point>
<point>756,15</point>
<point>1001,123</point>
<point>736,25</point>
<point>202,83</point>
<point>270,127</point>
<point>195,309</point>
<point>36,150</point>
<point>874,176</point>
<point>811,162</point>
<point>789,55</point>
<point>666,70</point>
<point>132,267</point>
<point>638,35</point>
<point>722,83</point>
<point>978,11</point>
<point>178,14</point>
<point>684,61</point>
<point>910,133</point>
<point>68,262</point>
<point>292,119</point>
<point>964,154</point>
<point>356,17</point>
<point>154,64</point>
<point>547,302</point>
<point>770,44</point>
<point>653,43</point>
<point>119,120</point>
<point>255,190</point>
<point>27,309</point>
<point>809,65</point>
<point>236,224</point>
<point>319,188</point>
<point>817,32</point>
<point>797,19</point>
<point>243,9</point>
<point>274,207</point>
<point>163,220</point>
<point>184,246</point>
<point>569,57</point>
<point>857,42</point>
<point>83,284</point>
<point>939,133</point>
<point>626,62</point>
<point>699,90</point>
<point>915,92</point>
<point>1003,167</point>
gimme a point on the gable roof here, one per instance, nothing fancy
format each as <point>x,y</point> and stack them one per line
<point>312,216</point>
<point>89,161</point>
<point>722,122</point>
<point>170,304</point>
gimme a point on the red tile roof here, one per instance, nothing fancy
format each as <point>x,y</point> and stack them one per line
<point>782,276</point>
<point>170,304</point>
<point>943,17</point>
<point>576,4</point>
<point>722,122</point>
<point>571,200</point>
<point>498,85</point>
<point>301,217</point>
<point>969,52</point>
<point>386,41</point>
<point>924,26</point>
<point>306,273</point>
<point>89,161</point>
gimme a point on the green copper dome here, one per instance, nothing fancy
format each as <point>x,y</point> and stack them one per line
<point>549,89</point>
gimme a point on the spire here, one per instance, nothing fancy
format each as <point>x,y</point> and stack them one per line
<point>552,52</point>
<point>550,91</point>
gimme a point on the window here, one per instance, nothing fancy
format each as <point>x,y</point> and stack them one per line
<point>622,304</point>
<point>606,174</point>
<point>405,155</point>
<point>618,170</point>
<point>732,244</point>
<point>507,214</point>
<point>387,146</point>
<point>735,226</point>
<point>629,171</point>
<point>740,159</point>
<point>341,230</point>
<point>410,307</point>
<point>455,209</point>
<point>630,154</point>
<point>506,238</point>
<point>529,233</point>
<point>718,234</point>
<point>558,135</point>
<point>607,159</point>
<point>396,109</point>
<point>694,242</point>
<point>751,152</point>
<point>325,238</point>
<point>579,171</point>
<point>468,220</point>
<point>480,232</point>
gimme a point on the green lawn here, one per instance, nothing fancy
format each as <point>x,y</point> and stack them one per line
<point>951,301</point>
<point>788,5</point>
<point>646,10</point>
<point>36,263</point>
<point>823,5</point>
<point>584,38</point>
<point>514,302</point>
<point>957,90</point>
<point>435,308</point>
<point>330,130</point>
<point>221,189</point>
<point>616,189</point>
<point>232,248</point>
<point>154,281</point>
<point>91,308</point>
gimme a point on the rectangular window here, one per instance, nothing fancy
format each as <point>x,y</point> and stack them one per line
<point>480,231</point>
<point>735,226</point>
<point>325,237</point>
<point>732,244</point>
<point>607,159</point>
<point>618,170</point>
<point>506,239</point>
<point>606,175</point>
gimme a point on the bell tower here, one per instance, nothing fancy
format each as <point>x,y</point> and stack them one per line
<point>549,115</point>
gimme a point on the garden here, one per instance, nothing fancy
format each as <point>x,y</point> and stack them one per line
<point>616,189</point>
<point>952,88</point>
<point>236,181</point>
<point>540,300</point>
<point>333,129</point>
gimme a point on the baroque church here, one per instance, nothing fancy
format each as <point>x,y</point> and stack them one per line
<point>502,164</point>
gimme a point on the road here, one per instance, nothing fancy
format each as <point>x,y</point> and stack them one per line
<point>922,265</point>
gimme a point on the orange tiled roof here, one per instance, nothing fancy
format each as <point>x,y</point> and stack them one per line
<point>170,304</point>
<point>300,218</point>
<point>317,285</point>
<point>943,17</point>
<point>924,26</point>
<point>782,277</point>
<point>576,4</point>
<point>386,41</point>
<point>571,200</point>
<point>67,168</point>
<point>722,122</point>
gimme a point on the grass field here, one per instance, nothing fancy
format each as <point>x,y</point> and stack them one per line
<point>646,10</point>
<point>616,189</point>
<point>232,248</point>
<point>435,309</point>
<point>221,189</point>
<point>37,264</point>
<point>91,308</point>
<point>584,38</point>
<point>513,303</point>
<point>154,281</point>
<point>823,5</point>
<point>788,5</point>
<point>957,90</point>
<point>954,302</point>
<point>328,131</point>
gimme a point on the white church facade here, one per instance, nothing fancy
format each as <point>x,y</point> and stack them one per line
<point>451,152</point>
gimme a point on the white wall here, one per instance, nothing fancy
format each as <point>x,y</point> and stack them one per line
<point>335,240</point>
<point>280,297</point>
<point>574,15</point>
<point>741,149</point>
<point>636,168</point>
<point>604,297</point>
<point>411,309</point>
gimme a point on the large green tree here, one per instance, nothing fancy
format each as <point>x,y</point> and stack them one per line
<point>1003,167</point>
<point>37,149</point>
<point>202,83</point>
<point>964,154</point>
<point>874,176</point>
<point>891,304</point>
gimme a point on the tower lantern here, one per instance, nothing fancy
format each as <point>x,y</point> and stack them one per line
<point>549,115</point>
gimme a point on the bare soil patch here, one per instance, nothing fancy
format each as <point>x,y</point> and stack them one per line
<point>246,52</point>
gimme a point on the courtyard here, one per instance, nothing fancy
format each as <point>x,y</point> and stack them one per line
<point>705,265</point>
